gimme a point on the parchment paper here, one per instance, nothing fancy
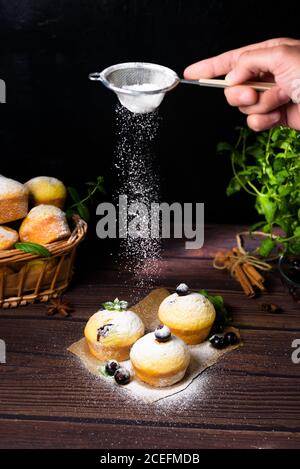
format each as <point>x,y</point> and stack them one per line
<point>202,356</point>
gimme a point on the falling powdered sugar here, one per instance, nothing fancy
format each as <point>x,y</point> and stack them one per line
<point>139,181</point>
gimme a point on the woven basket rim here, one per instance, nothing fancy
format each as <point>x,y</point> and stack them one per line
<point>57,248</point>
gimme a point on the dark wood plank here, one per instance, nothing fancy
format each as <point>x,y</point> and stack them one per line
<point>240,402</point>
<point>216,237</point>
<point>54,434</point>
<point>196,272</point>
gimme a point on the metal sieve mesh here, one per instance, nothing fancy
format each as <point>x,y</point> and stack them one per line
<point>147,84</point>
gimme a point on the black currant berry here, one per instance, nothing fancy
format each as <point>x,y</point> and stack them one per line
<point>230,338</point>
<point>111,367</point>
<point>182,289</point>
<point>217,341</point>
<point>162,333</point>
<point>122,376</point>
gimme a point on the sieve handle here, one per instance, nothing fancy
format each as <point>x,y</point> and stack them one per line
<point>256,85</point>
<point>94,76</point>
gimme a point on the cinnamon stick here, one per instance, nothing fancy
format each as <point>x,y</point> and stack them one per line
<point>254,276</point>
<point>242,270</point>
<point>243,280</point>
<point>241,276</point>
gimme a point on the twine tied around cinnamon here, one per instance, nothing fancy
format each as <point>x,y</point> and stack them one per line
<point>243,267</point>
<point>241,259</point>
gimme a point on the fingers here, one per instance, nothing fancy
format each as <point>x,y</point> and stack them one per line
<point>265,60</point>
<point>251,102</point>
<point>210,68</point>
<point>241,95</point>
<point>286,115</point>
<point>222,64</point>
<point>260,122</point>
<point>267,102</point>
<point>264,110</point>
<point>253,63</point>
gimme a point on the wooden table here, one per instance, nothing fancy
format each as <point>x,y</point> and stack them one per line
<point>250,398</point>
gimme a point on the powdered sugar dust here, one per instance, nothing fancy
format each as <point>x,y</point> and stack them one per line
<point>139,181</point>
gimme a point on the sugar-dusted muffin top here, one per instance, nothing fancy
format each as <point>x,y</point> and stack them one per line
<point>114,328</point>
<point>148,354</point>
<point>44,224</point>
<point>7,234</point>
<point>190,311</point>
<point>46,187</point>
<point>8,237</point>
<point>10,188</point>
<point>43,211</point>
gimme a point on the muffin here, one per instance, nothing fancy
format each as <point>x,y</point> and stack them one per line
<point>46,190</point>
<point>160,363</point>
<point>44,224</point>
<point>40,268</point>
<point>13,200</point>
<point>8,238</point>
<point>110,334</point>
<point>190,316</point>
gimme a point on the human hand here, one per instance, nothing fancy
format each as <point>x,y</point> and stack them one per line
<point>275,60</point>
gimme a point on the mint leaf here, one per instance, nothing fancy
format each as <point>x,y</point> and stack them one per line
<point>266,247</point>
<point>33,248</point>
<point>70,212</point>
<point>267,207</point>
<point>83,211</point>
<point>103,372</point>
<point>79,204</point>
<point>116,305</point>
<point>233,187</point>
<point>294,247</point>
<point>74,194</point>
<point>224,146</point>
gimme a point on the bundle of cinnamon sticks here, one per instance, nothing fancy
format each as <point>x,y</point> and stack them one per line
<point>243,268</point>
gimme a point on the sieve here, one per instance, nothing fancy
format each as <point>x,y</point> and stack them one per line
<point>141,86</point>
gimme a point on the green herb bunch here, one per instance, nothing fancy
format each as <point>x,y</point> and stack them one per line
<point>79,203</point>
<point>116,305</point>
<point>267,166</point>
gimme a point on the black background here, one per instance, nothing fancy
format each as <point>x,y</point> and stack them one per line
<point>56,122</point>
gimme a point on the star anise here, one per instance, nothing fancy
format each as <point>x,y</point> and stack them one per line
<point>270,308</point>
<point>59,306</point>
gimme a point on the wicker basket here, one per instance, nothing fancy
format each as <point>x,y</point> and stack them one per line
<point>26,278</point>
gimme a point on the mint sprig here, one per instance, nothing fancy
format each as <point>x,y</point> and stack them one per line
<point>79,205</point>
<point>33,248</point>
<point>116,305</point>
<point>223,317</point>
